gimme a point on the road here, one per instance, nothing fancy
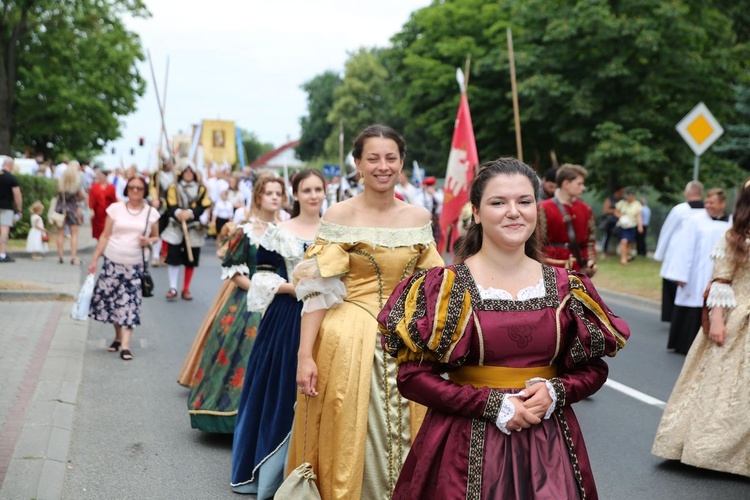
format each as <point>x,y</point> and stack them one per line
<point>132,437</point>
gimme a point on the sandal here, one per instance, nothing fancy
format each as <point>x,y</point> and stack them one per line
<point>114,346</point>
<point>126,355</point>
<point>171,294</point>
<point>186,295</point>
<point>75,262</point>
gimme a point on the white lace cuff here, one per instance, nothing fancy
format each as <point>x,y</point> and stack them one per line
<point>263,288</point>
<point>229,272</point>
<point>507,410</point>
<point>721,295</point>
<point>552,394</point>
<point>320,293</point>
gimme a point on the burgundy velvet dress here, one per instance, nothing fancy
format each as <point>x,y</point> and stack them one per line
<point>437,322</point>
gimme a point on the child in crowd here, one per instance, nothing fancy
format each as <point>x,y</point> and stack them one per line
<point>36,241</point>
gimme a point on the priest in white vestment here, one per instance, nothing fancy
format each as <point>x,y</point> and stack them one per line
<point>692,272</point>
<point>666,250</point>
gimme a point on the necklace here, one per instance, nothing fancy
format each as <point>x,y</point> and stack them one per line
<point>134,214</point>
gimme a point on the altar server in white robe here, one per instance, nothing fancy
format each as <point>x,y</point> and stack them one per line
<point>696,238</point>
<point>666,250</point>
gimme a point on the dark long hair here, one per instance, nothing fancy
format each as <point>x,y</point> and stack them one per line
<point>297,180</point>
<point>472,242</point>
<point>740,230</point>
<point>378,131</point>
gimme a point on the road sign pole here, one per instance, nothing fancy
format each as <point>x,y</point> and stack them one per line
<point>696,162</point>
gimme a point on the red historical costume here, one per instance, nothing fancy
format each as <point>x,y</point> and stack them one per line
<point>557,247</point>
<point>100,197</point>
<point>491,345</point>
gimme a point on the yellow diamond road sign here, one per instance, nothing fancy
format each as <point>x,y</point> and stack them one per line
<point>700,129</point>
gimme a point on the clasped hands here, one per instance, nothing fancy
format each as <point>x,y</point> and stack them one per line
<point>531,405</point>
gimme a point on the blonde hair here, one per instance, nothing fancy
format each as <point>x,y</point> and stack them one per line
<point>37,207</point>
<point>70,182</point>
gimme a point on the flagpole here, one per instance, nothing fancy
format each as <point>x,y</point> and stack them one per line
<point>342,167</point>
<point>161,109</point>
<point>514,89</point>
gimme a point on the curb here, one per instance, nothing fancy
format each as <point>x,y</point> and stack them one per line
<point>31,296</point>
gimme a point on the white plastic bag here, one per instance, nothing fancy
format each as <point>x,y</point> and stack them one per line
<point>81,307</point>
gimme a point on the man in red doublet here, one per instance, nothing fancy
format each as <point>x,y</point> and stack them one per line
<point>101,195</point>
<point>558,249</point>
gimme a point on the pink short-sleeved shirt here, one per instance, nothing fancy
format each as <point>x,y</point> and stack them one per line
<point>124,246</point>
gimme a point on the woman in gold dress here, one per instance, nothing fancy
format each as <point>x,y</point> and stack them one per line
<point>359,428</point>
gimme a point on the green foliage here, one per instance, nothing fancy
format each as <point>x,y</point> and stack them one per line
<point>33,188</point>
<point>422,62</point>
<point>315,125</point>
<point>361,100</point>
<point>254,148</point>
<point>735,145</point>
<point>71,76</point>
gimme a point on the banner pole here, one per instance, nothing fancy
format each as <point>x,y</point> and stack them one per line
<point>514,88</point>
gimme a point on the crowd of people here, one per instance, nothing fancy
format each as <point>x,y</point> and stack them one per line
<point>340,339</point>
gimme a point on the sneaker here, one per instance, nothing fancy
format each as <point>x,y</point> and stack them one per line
<point>7,258</point>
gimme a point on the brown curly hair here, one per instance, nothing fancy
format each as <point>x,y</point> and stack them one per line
<point>740,230</point>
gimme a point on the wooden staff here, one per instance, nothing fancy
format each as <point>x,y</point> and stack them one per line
<point>512,62</point>
<point>187,241</point>
<point>171,155</point>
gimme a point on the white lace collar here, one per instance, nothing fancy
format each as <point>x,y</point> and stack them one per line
<point>284,242</point>
<point>377,236</point>
<point>530,292</point>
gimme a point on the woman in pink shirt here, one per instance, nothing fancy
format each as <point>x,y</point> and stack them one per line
<point>129,229</point>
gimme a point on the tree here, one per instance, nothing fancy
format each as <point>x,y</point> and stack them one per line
<point>67,73</point>
<point>315,126</point>
<point>422,62</point>
<point>254,148</point>
<point>735,145</point>
<point>360,100</point>
<point>605,82</point>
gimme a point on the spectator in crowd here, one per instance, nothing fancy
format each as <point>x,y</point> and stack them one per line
<point>640,238</point>
<point>630,222</point>
<point>101,196</point>
<point>10,194</point>
<point>608,223</point>
<point>549,184</point>
<point>129,229</point>
<point>404,188</point>
<point>234,195</point>
<point>36,240</point>
<point>69,194</point>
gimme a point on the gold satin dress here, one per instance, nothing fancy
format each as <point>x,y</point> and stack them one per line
<point>359,428</point>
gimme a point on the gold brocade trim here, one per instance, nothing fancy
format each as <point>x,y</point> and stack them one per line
<point>377,236</point>
<point>578,289</point>
<point>500,377</point>
<point>480,338</point>
<point>550,298</point>
<point>476,450</point>
<point>571,451</point>
<point>215,413</point>
<point>492,408</point>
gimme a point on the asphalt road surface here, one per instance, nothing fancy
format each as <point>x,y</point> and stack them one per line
<point>132,437</point>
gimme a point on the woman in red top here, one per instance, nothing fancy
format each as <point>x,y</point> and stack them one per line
<point>101,195</point>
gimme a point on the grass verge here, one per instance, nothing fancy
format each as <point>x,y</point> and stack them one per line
<point>640,277</point>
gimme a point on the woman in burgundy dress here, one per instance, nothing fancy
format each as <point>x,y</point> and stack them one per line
<point>520,342</point>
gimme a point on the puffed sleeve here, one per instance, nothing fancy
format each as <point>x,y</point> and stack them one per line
<point>594,332</point>
<point>317,278</point>
<point>721,293</point>
<point>429,258</point>
<point>427,324</point>
<point>265,282</point>
<point>239,257</point>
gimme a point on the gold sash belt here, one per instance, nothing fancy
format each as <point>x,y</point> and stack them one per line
<point>500,377</point>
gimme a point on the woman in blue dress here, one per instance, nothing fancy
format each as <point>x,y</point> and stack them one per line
<point>266,411</point>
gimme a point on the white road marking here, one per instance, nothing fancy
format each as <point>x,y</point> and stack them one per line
<point>635,394</point>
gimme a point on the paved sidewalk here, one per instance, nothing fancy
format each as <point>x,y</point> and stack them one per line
<point>40,371</point>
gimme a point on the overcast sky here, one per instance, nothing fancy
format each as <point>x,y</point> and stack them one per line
<point>244,60</point>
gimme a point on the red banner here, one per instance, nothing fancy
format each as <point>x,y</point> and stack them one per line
<point>462,161</point>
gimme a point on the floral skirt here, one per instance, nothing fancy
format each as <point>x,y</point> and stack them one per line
<point>117,295</point>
